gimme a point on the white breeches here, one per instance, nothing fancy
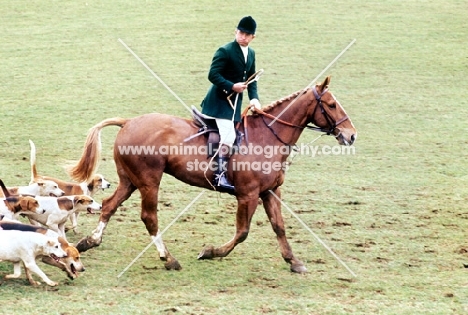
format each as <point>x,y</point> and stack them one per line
<point>227,132</point>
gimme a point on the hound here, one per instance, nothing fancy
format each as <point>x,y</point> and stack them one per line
<point>19,246</point>
<point>71,264</point>
<point>39,188</point>
<point>96,183</point>
<point>12,207</point>
<point>58,210</point>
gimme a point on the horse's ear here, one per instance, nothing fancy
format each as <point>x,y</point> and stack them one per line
<point>325,83</point>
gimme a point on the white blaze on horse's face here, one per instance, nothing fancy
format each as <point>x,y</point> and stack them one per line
<point>347,133</point>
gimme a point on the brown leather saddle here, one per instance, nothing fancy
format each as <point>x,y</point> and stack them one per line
<point>209,130</point>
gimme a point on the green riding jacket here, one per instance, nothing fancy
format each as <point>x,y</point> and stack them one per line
<point>227,68</point>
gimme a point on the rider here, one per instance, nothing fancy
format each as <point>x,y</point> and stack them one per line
<point>231,66</point>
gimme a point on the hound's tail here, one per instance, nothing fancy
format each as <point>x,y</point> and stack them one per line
<point>5,191</point>
<point>88,163</point>
<point>33,161</point>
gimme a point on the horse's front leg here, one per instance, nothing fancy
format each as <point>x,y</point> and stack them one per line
<point>273,210</point>
<point>245,210</point>
<point>149,216</point>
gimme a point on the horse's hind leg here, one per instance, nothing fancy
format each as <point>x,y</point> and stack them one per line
<point>245,210</point>
<point>149,216</point>
<point>273,210</point>
<point>109,207</point>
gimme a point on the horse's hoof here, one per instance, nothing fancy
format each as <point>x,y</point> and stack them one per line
<point>172,264</point>
<point>298,268</point>
<point>86,243</point>
<point>206,253</point>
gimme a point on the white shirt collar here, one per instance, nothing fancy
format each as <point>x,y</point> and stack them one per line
<point>245,51</point>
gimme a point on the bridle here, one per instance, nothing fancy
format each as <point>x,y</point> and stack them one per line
<point>318,97</point>
<point>333,125</point>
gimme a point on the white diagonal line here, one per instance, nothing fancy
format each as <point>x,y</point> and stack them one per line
<point>159,79</point>
<point>313,81</point>
<point>315,235</point>
<point>154,74</point>
<point>161,234</point>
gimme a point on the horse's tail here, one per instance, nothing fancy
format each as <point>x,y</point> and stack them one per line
<point>88,163</point>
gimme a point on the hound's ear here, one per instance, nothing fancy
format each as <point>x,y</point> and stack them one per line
<point>32,204</point>
<point>63,241</point>
<point>80,199</point>
<point>24,204</point>
<point>325,84</point>
<point>76,200</point>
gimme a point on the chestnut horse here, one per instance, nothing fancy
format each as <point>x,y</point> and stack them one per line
<point>278,125</point>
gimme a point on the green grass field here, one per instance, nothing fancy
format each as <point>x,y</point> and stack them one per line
<point>395,211</point>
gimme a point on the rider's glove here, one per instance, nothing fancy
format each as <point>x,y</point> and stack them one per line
<point>255,103</point>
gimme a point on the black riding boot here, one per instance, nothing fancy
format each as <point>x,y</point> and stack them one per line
<point>220,179</point>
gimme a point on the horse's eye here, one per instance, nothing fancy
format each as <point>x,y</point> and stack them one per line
<point>332,105</point>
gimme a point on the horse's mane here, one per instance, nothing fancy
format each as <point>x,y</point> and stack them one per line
<point>272,105</point>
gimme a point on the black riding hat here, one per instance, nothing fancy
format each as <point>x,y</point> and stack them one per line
<point>247,25</point>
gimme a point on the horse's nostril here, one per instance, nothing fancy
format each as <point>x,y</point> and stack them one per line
<point>353,137</point>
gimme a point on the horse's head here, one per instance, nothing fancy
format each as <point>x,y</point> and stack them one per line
<point>330,116</point>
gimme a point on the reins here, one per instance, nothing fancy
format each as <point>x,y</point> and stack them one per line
<point>318,98</point>
<point>274,132</point>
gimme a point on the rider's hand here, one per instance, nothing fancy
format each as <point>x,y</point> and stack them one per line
<point>239,87</point>
<point>255,104</point>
